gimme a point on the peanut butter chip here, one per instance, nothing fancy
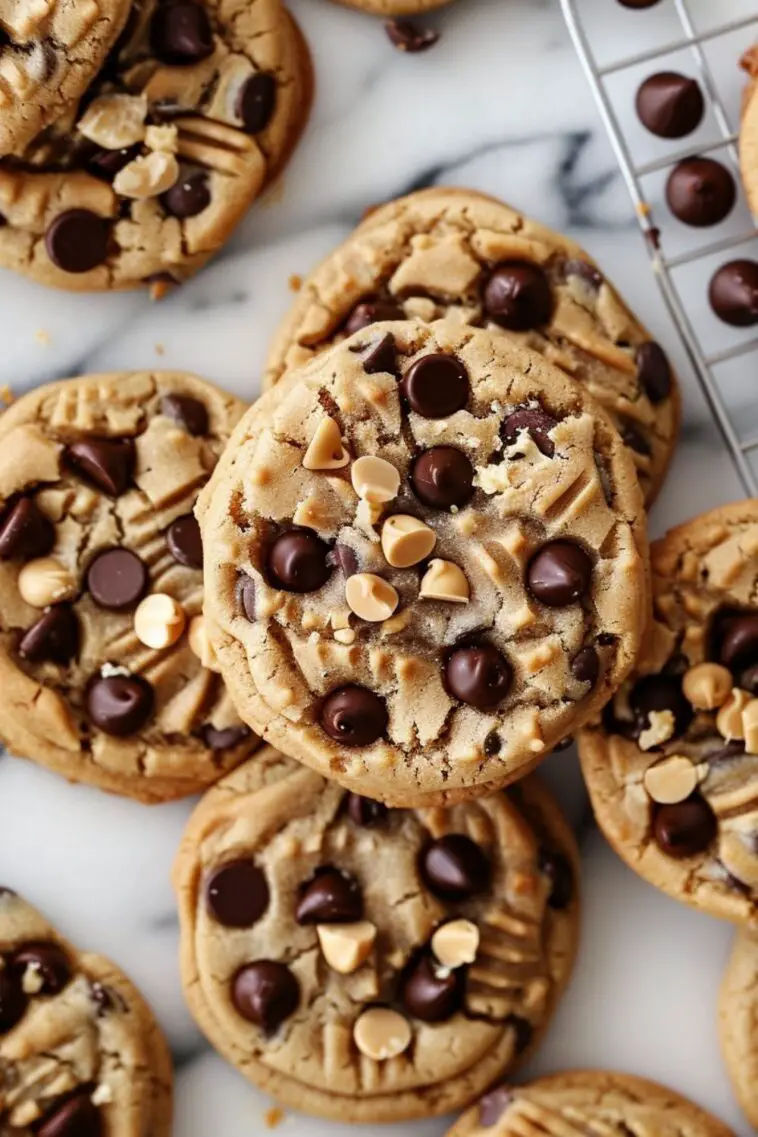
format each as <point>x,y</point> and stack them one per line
<point>114,121</point>
<point>444,580</point>
<point>326,451</point>
<point>159,621</point>
<point>671,780</point>
<point>750,726</point>
<point>729,719</point>
<point>346,946</point>
<point>201,645</point>
<point>456,943</point>
<point>148,176</point>
<point>375,480</point>
<point>706,686</point>
<point>660,730</point>
<point>406,540</point>
<point>45,581</point>
<point>371,597</point>
<point>381,1034</point>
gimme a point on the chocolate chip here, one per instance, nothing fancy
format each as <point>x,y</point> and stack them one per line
<point>748,680</point>
<point>371,311</point>
<point>638,3</point>
<point>245,593</point>
<point>256,101</point>
<point>12,1002</point>
<point>523,1031</point>
<point>700,192</point>
<point>49,963</point>
<point>109,463</point>
<point>119,705</point>
<point>585,666</point>
<point>493,1105</point>
<point>564,744</point>
<point>432,994</point>
<point>454,867</point>
<point>53,638</point>
<point>265,993</point>
<point>365,811</point>
<point>559,574</point>
<point>633,437</point>
<point>117,579</point>
<point>442,477</point>
<point>733,293</point>
<point>77,240</point>
<point>343,558</point>
<point>492,744</point>
<point>236,894</point>
<point>670,105</point>
<point>557,868</point>
<point>107,1000</point>
<point>536,422</point>
<point>187,411</point>
<point>25,531</point>
<point>660,693</point>
<point>478,675</point>
<point>184,541</point>
<point>107,163</point>
<point>735,639</point>
<point>380,356</point>
<point>436,385</point>
<point>226,739</point>
<point>332,897</point>
<point>181,32</point>
<point>77,1116</point>
<point>407,36</point>
<point>297,561</point>
<point>653,371</point>
<point>188,196</point>
<point>686,828</point>
<point>354,716</point>
<point>518,296</point>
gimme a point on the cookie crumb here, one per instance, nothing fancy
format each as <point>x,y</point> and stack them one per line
<point>160,349</point>
<point>42,337</point>
<point>295,282</point>
<point>6,395</point>
<point>273,1117</point>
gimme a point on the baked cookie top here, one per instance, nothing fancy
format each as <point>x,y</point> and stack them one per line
<point>368,964</point>
<point>672,766</point>
<point>104,663</point>
<point>459,253</point>
<point>79,1048</point>
<point>416,605</point>
<point>738,1009</point>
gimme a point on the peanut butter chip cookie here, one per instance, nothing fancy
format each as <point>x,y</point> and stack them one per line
<point>456,253</point>
<point>428,561</point>
<point>195,111</point>
<point>368,964</point>
<point>80,1052</point>
<point>105,665</point>
<point>738,1007</point>
<point>672,766</point>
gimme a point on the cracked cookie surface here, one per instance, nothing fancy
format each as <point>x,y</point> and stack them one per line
<point>737,1012</point>
<point>420,606</point>
<point>368,964</point>
<point>672,765</point>
<point>104,662</point>
<point>80,1051</point>
<point>196,110</point>
<point>459,253</point>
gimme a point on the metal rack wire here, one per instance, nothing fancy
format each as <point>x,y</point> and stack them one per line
<point>703,363</point>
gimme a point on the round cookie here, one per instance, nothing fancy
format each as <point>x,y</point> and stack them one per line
<point>105,667</point>
<point>197,109</point>
<point>586,1101</point>
<point>458,253</point>
<point>426,624</point>
<point>80,1050</point>
<point>367,964</point>
<point>738,1005</point>
<point>672,766</point>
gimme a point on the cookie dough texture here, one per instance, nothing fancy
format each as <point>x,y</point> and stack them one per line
<point>79,1047</point>
<point>140,184</point>
<point>672,766</point>
<point>587,1101</point>
<point>292,652</point>
<point>738,1006</point>
<point>98,477</point>
<point>280,823</point>
<point>459,253</point>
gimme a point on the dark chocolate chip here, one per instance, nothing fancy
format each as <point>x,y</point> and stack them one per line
<point>478,675</point>
<point>380,356</point>
<point>430,993</point>
<point>265,993</point>
<point>107,1000</point>
<point>77,1116</point>
<point>181,32</point>
<point>733,293</point>
<point>409,37</point>
<point>493,1105</point>
<point>749,680</point>
<point>653,371</point>
<point>107,163</point>
<point>25,531</point>
<point>53,638</point>
<point>436,385</point>
<point>492,744</point>
<point>365,811</point>
<point>442,477</point>
<point>109,463</point>
<point>332,897</point>
<point>12,1002</point>
<point>77,240</point>
<point>557,868</point>
<point>559,574</point>
<point>454,867</point>
<point>518,296</point>
<point>184,541</point>
<point>119,705</point>
<point>236,894</point>
<point>670,105</point>
<point>354,716</point>
<point>297,561</point>
<point>117,579</point>
<point>225,739</point>
<point>343,558</point>
<point>735,639</point>
<point>564,744</point>
<point>633,437</point>
<point>48,962</point>
<point>700,192</point>
<point>256,101</point>
<point>187,411</point>
<point>585,666</point>
<point>686,828</point>
<point>523,1031</point>
<point>372,311</point>
<point>660,693</point>
<point>536,422</point>
<point>246,596</point>
<point>188,196</point>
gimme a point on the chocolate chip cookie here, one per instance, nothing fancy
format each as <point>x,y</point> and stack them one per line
<point>80,1051</point>
<point>105,666</point>
<point>143,181</point>
<point>368,964</point>
<point>587,1101</point>
<point>427,561</point>
<point>461,254</point>
<point>672,766</point>
<point>738,1007</point>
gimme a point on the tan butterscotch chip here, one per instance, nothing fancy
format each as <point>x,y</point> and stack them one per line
<point>371,597</point>
<point>729,719</point>
<point>45,581</point>
<point>750,726</point>
<point>201,644</point>
<point>380,1033</point>
<point>406,540</point>
<point>707,685</point>
<point>456,943</point>
<point>159,621</point>
<point>444,580</point>
<point>671,780</point>
<point>346,946</point>
<point>114,121</point>
<point>326,451</point>
<point>375,480</point>
<point>147,176</point>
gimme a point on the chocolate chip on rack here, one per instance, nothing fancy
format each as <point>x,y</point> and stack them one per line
<point>700,192</point>
<point>670,105</point>
<point>733,293</point>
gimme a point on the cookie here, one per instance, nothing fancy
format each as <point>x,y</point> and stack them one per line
<point>738,1005</point>
<point>81,1053</point>
<point>586,1101</point>
<point>394,7</point>
<point>368,964</point>
<point>105,666</point>
<point>748,135</point>
<point>49,53</point>
<point>672,765</point>
<point>421,606</point>
<point>145,180</point>
<point>458,253</point>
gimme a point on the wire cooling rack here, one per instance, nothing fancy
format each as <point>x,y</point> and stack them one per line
<point>681,37</point>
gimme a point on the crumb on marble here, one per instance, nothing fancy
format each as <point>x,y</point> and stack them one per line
<point>42,337</point>
<point>273,1117</point>
<point>160,349</point>
<point>295,282</point>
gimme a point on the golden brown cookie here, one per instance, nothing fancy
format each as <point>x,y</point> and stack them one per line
<point>738,1008</point>
<point>367,964</point>
<point>748,140</point>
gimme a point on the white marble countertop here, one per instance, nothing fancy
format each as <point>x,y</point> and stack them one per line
<point>500,104</point>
